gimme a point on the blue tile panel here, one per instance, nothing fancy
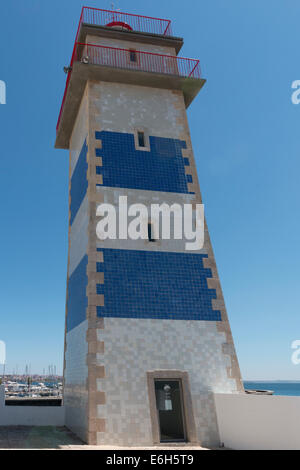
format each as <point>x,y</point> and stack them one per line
<point>161,169</point>
<point>159,285</point>
<point>79,182</point>
<point>77,300</point>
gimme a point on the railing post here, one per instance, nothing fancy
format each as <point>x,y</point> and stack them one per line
<point>165,31</point>
<point>198,61</point>
<point>142,23</point>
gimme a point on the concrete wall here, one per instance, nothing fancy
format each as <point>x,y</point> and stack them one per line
<point>30,415</point>
<point>258,422</point>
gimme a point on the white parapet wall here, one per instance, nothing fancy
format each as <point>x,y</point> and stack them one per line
<point>258,422</point>
<point>30,415</point>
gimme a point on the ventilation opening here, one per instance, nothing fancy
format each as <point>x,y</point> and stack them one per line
<point>141,139</point>
<point>151,233</point>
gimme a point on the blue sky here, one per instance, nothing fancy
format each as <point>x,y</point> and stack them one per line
<point>245,133</point>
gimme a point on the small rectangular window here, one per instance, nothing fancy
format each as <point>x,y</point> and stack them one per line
<point>141,139</point>
<point>133,56</point>
<point>150,233</point>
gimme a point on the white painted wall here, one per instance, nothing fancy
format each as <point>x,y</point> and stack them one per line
<point>258,422</point>
<point>30,415</point>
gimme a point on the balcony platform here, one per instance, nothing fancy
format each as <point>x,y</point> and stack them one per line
<point>81,73</point>
<point>125,35</point>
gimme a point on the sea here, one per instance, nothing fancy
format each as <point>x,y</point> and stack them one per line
<point>279,388</point>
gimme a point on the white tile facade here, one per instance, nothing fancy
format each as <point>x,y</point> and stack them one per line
<point>123,108</point>
<point>121,44</point>
<point>79,133</point>
<point>79,236</point>
<point>75,375</point>
<point>135,346</point>
<point>76,346</point>
<point>135,196</point>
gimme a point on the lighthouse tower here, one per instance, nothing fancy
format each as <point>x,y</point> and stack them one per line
<point>147,339</point>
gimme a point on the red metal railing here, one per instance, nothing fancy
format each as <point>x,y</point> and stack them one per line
<point>99,17</point>
<point>137,60</point>
<point>145,24</point>
<point>132,60</point>
<point>120,58</point>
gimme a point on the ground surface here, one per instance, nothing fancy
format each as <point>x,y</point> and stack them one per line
<point>51,438</point>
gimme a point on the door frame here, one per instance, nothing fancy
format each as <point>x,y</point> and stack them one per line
<point>187,407</point>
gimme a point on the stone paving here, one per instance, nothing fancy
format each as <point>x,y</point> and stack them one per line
<point>60,438</point>
<point>27,437</point>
